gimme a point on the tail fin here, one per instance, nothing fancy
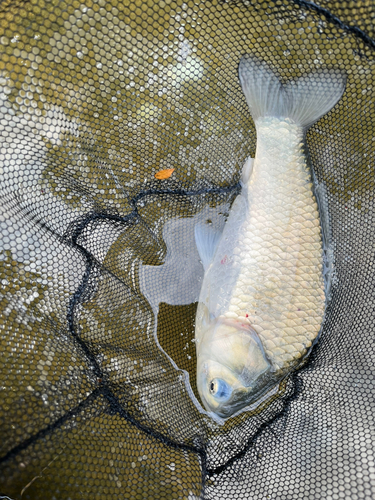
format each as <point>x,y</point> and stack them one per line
<point>303,100</point>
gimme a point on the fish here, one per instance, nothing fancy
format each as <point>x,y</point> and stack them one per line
<point>263,295</point>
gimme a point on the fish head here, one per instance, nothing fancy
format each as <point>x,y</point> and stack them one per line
<point>232,368</point>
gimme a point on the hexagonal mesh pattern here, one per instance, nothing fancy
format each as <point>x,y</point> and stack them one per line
<point>98,394</point>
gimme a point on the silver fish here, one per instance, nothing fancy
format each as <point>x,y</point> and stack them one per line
<point>262,300</point>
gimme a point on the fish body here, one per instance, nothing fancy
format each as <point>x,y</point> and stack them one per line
<point>263,298</point>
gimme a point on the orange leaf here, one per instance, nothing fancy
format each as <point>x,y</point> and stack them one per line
<point>164,174</point>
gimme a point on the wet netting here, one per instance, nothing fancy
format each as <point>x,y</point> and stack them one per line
<point>100,275</point>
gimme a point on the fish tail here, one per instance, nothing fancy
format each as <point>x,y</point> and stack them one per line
<point>303,100</point>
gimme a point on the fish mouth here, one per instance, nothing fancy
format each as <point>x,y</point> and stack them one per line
<point>241,398</point>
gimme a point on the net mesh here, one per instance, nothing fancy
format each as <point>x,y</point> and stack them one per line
<point>100,278</point>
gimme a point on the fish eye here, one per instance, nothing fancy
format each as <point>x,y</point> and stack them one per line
<point>220,389</point>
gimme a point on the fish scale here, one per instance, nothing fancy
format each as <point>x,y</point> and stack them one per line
<point>279,249</point>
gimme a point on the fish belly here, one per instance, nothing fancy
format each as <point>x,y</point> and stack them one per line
<point>277,248</point>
